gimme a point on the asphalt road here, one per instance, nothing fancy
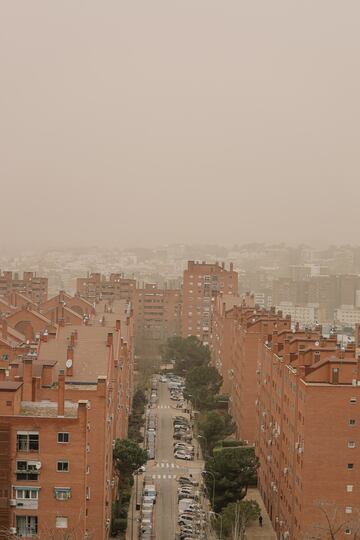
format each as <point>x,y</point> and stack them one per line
<point>165,468</point>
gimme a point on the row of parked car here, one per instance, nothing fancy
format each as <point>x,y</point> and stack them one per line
<point>147,510</point>
<point>191,516</point>
<point>183,449</point>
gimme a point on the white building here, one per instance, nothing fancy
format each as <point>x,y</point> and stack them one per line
<point>347,315</point>
<point>304,315</point>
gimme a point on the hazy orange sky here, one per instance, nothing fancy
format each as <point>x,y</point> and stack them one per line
<point>140,123</point>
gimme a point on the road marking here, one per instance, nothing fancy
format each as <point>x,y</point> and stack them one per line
<point>172,465</point>
<point>162,465</point>
<point>159,476</point>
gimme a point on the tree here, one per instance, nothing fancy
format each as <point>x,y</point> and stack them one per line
<point>237,516</point>
<point>214,427</point>
<point>234,470</point>
<point>185,353</point>
<point>128,456</point>
<point>203,383</point>
<point>332,523</point>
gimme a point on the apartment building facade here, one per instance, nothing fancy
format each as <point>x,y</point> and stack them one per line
<point>62,407</point>
<point>97,287</point>
<point>307,436</point>
<point>201,284</point>
<point>157,316</point>
<point>238,335</point>
<point>32,286</point>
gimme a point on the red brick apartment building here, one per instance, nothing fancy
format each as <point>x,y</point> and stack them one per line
<point>157,316</point>
<point>96,287</point>
<point>308,440</point>
<point>32,286</point>
<point>296,395</point>
<point>238,335</point>
<point>62,405</point>
<point>202,283</point>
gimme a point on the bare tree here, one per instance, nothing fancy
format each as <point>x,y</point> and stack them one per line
<point>333,523</point>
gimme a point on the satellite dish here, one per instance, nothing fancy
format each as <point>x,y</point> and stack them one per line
<point>38,465</point>
<point>317,343</point>
<point>68,363</point>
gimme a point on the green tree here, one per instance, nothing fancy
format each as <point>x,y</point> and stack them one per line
<point>128,457</point>
<point>234,470</point>
<point>237,516</point>
<point>185,353</point>
<point>214,427</point>
<point>203,383</point>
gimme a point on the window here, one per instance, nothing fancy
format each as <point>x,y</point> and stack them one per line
<point>27,441</point>
<point>353,400</point>
<point>351,444</point>
<point>350,465</point>
<point>27,470</point>
<point>348,510</point>
<point>63,437</point>
<point>61,523</point>
<point>347,531</point>
<point>349,488</point>
<point>62,493</point>
<point>26,525</point>
<point>26,493</point>
<point>352,422</point>
<point>63,466</point>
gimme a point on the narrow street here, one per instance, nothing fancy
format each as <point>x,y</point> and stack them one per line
<point>165,468</point>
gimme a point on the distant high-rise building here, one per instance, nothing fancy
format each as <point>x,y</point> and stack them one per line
<point>157,316</point>
<point>202,283</point>
<point>96,287</point>
<point>30,285</point>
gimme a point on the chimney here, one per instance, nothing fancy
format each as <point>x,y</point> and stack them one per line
<point>72,339</point>
<point>231,267</point>
<point>61,393</point>
<point>118,325</point>
<point>4,329</point>
<point>69,361</point>
<point>223,265</point>
<point>75,336</point>
<point>109,340</point>
<point>27,379</point>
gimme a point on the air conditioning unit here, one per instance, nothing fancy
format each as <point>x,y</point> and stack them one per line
<point>297,445</point>
<point>301,450</point>
<point>107,522</point>
<point>358,383</point>
<point>258,372</point>
<point>113,443</point>
<point>12,530</point>
<point>286,534</point>
<point>354,382</point>
<point>12,502</point>
<point>286,470</point>
<point>112,483</point>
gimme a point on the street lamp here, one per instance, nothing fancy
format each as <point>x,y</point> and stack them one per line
<point>221,522</point>
<point>213,490</point>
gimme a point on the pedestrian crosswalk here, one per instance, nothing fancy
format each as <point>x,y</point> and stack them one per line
<point>163,476</point>
<point>164,407</point>
<point>167,465</point>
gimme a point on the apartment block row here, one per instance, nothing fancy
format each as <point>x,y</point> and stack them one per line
<point>65,396</point>
<point>295,396</point>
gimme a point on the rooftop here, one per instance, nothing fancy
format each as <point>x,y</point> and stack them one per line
<point>47,408</point>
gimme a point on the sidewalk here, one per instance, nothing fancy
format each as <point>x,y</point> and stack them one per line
<point>254,531</point>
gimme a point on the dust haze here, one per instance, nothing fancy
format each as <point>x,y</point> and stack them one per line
<point>139,123</point>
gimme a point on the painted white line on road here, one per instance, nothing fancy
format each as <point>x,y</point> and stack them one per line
<point>172,465</point>
<point>162,465</point>
<point>159,476</point>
